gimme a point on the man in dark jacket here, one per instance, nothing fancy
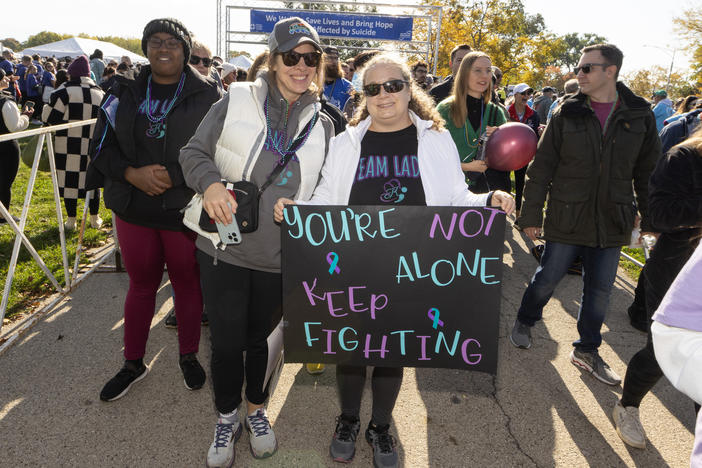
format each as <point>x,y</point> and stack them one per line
<point>442,90</point>
<point>597,142</point>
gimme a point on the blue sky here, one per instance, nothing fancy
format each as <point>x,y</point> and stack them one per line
<point>632,25</point>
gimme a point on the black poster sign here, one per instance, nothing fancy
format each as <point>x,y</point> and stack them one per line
<point>410,286</point>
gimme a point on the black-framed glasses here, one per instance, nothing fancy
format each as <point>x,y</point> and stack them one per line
<point>392,86</point>
<point>156,43</point>
<point>194,60</point>
<point>587,68</point>
<point>292,58</point>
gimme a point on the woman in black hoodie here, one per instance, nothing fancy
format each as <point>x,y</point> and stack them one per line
<point>135,153</point>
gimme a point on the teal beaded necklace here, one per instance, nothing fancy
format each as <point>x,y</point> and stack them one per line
<point>157,124</point>
<point>295,143</point>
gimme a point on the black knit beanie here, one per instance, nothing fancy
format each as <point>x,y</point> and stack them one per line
<point>171,26</point>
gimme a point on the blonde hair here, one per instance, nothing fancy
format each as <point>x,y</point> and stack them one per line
<point>420,103</point>
<point>197,45</point>
<point>317,83</point>
<point>458,110</point>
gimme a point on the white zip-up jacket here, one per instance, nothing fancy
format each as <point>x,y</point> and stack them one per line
<point>439,165</point>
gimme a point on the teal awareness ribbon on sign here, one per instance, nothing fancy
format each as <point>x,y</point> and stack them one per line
<point>434,315</point>
<point>333,260</point>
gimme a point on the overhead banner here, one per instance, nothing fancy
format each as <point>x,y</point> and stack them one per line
<point>406,286</point>
<point>397,28</point>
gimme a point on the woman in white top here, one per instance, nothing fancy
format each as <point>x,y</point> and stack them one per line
<point>12,121</point>
<point>394,151</point>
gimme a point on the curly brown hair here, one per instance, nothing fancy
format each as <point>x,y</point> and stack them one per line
<point>420,103</point>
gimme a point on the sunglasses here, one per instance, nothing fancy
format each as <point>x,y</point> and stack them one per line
<point>587,68</point>
<point>194,60</point>
<point>292,58</point>
<point>526,93</point>
<point>392,86</point>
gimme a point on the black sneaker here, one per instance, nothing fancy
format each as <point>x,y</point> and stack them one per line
<point>343,444</point>
<point>383,445</point>
<point>193,373</point>
<point>171,321</point>
<point>119,385</point>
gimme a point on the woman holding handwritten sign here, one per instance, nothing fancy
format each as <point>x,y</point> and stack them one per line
<point>395,151</point>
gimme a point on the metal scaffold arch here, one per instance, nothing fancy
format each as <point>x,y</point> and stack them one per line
<point>234,26</point>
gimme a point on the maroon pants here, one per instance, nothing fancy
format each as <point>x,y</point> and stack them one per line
<point>144,252</point>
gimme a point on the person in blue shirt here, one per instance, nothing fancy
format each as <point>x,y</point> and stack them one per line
<point>663,107</point>
<point>33,92</point>
<point>337,89</point>
<point>21,72</point>
<point>48,80</point>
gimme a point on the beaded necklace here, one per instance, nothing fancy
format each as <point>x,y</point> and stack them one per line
<point>295,143</point>
<point>157,124</point>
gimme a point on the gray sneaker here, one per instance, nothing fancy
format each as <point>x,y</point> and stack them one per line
<point>594,364</point>
<point>628,425</point>
<point>221,453</point>
<point>383,445</point>
<point>343,444</point>
<point>521,335</point>
<point>261,435</point>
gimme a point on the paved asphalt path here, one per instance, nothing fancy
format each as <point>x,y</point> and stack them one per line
<point>539,410</point>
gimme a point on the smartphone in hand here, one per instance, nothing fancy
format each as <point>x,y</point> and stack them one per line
<point>229,233</point>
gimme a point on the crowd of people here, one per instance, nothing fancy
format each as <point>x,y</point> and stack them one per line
<point>175,136</point>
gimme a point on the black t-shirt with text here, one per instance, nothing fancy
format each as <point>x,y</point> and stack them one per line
<point>388,170</point>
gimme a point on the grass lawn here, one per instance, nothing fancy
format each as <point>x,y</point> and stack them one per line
<point>30,283</point>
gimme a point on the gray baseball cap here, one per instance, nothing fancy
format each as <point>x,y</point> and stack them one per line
<point>290,33</point>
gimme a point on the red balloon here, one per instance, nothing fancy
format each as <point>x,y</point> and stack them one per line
<point>511,146</point>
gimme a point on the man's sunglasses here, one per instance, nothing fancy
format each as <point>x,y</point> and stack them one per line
<point>292,58</point>
<point>527,93</point>
<point>587,68</point>
<point>194,60</point>
<point>392,86</point>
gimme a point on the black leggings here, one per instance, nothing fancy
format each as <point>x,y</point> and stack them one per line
<point>243,306</point>
<point>385,383</point>
<point>519,176</point>
<point>71,204</point>
<point>9,165</point>
<point>667,259</point>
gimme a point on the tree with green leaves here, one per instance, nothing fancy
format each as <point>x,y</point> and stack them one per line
<point>11,43</point>
<point>689,26</point>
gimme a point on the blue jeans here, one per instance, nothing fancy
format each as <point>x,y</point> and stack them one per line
<point>599,271</point>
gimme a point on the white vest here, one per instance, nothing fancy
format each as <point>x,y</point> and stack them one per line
<point>242,139</point>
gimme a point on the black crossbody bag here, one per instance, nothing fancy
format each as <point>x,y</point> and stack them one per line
<point>248,195</point>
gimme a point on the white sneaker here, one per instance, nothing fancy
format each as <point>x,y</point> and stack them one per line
<point>95,221</point>
<point>221,453</point>
<point>628,425</point>
<point>261,436</point>
<point>70,224</point>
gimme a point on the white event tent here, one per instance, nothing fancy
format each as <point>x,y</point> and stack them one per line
<point>241,61</point>
<point>75,46</point>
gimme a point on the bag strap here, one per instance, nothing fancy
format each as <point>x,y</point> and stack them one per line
<point>290,153</point>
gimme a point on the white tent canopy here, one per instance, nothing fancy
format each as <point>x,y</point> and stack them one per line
<point>241,61</point>
<point>75,46</point>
